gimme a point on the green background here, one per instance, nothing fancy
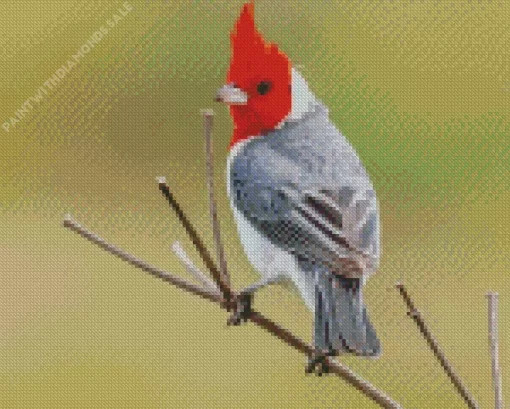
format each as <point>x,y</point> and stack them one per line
<point>420,88</point>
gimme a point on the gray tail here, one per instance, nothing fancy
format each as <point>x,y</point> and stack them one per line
<point>341,319</point>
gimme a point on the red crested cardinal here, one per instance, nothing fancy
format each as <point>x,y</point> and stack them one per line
<point>304,205</point>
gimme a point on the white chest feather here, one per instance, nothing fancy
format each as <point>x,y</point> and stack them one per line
<point>268,259</point>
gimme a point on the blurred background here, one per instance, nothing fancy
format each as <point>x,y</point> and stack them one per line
<point>420,88</point>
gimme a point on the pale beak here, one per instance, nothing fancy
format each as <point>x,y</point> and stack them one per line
<point>231,95</point>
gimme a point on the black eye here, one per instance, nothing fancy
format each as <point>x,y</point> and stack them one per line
<point>264,87</point>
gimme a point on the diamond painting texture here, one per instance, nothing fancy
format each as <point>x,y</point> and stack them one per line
<point>420,89</point>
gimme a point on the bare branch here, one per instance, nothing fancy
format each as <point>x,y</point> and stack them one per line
<point>192,269</point>
<point>333,365</point>
<point>494,348</point>
<point>220,251</point>
<point>270,326</point>
<point>256,317</point>
<point>163,275</point>
<point>436,349</point>
<point>197,241</point>
<point>225,297</point>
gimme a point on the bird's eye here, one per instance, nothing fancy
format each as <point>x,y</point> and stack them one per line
<point>263,87</point>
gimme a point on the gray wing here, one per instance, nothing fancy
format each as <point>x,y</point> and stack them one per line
<point>332,221</point>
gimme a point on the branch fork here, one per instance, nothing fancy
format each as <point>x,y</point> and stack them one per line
<point>219,290</point>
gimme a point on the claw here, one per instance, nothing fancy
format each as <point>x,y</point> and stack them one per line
<point>317,362</point>
<point>242,310</point>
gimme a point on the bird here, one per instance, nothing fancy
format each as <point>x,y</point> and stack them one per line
<point>305,208</point>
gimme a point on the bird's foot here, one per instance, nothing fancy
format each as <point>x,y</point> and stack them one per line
<point>242,309</point>
<point>317,362</point>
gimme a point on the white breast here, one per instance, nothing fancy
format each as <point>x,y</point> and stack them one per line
<point>268,259</point>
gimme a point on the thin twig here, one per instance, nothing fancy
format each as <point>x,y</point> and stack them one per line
<point>193,269</point>
<point>209,160</point>
<point>494,347</point>
<point>333,365</point>
<point>256,317</point>
<point>157,272</point>
<point>195,238</point>
<point>434,346</point>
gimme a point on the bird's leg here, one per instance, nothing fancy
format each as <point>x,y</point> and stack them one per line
<point>317,361</point>
<point>242,309</point>
<point>244,300</point>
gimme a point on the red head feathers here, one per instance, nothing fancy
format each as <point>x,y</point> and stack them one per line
<point>263,73</point>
